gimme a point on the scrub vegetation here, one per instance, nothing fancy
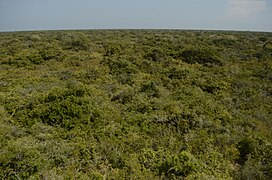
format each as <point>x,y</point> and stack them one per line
<point>135,104</point>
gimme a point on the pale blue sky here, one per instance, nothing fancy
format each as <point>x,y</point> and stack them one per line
<point>136,14</point>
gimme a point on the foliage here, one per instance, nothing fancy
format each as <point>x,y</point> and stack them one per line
<point>135,104</point>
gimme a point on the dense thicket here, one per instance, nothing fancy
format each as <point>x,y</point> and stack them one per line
<point>135,104</point>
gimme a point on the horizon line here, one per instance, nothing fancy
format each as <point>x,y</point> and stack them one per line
<point>178,29</point>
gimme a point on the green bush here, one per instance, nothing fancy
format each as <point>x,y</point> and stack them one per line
<point>66,108</point>
<point>76,41</point>
<point>21,159</point>
<point>201,55</point>
<point>155,55</point>
<point>25,58</point>
<point>182,164</point>
<point>50,52</point>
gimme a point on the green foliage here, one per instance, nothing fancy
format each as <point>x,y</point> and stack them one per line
<point>61,107</point>
<point>51,52</point>
<point>201,55</point>
<point>25,58</point>
<point>20,158</point>
<point>77,41</point>
<point>156,55</point>
<point>182,164</point>
<point>135,104</point>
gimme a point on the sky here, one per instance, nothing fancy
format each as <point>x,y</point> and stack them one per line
<point>243,15</point>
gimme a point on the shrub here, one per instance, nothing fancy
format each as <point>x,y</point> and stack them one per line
<point>178,73</point>
<point>124,96</point>
<point>155,55</point>
<point>151,89</point>
<point>20,159</point>
<point>201,55</point>
<point>66,108</point>
<point>25,58</point>
<point>112,50</point>
<point>182,164</point>
<point>120,66</point>
<point>169,165</point>
<point>50,52</point>
<point>77,41</point>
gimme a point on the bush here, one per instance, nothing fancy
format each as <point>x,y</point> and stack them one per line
<point>66,108</point>
<point>156,55</point>
<point>25,58</point>
<point>169,165</point>
<point>182,164</point>
<point>202,56</point>
<point>20,159</point>
<point>50,52</point>
<point>77,41</point>
<point>120,66</point>
<point>151,89</point>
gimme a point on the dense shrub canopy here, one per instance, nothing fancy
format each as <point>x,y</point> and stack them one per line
<point>135,104</point>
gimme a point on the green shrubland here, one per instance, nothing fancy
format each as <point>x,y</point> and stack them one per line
<point>135,104</point>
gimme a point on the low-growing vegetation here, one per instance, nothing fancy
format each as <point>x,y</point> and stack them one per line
<point>135,104</point>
